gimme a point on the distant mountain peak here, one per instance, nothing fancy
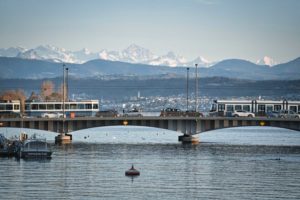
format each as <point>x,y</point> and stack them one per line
<point>85,51</point>
<point>266,61</point>
<point>171,54</point>
<point>134,47</point>
<point>203,60</point>
<point>136,54</point>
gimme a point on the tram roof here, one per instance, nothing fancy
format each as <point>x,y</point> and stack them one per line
<point>257,101</point>
<point>80,101</point>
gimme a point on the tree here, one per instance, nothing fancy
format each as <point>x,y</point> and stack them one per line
<point>47,90</point>
<point>62,92</point>
<point>33,97</point>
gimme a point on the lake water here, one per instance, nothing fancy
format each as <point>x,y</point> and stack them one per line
<point>239,163</point>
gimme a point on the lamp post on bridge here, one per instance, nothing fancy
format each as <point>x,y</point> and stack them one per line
<point>187,88</point>
<point>63,99</point>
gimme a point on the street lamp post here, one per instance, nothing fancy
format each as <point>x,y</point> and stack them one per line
<point>187,88</point>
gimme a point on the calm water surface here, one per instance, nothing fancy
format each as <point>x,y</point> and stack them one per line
<point>228,164</point>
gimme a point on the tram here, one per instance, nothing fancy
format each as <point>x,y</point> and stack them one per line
<point>10,109</point>
<point>72,108</point>
<point>38,108</point>
<point>258,107</point>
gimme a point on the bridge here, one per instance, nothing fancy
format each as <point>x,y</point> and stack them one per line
<point>186,125</point>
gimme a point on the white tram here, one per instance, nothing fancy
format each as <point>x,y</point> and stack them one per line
<point>36,108</point>
<point>10,108</point>
<point>72,108</point>
<point>259,107</point>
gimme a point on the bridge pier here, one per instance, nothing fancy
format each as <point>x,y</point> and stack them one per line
<point>63,138</point>
<point>189,129</point>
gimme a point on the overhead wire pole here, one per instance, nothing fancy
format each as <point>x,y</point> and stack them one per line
<point>196,89</point>
<point>187,88</point>
<point>67,84</point>
<point>63,98</point>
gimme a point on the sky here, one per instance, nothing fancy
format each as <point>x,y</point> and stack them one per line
<point>214,29</point>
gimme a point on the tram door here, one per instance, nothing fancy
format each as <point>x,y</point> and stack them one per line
<point>261,110</point>
<point>269,108</point>
<point>293,108</point>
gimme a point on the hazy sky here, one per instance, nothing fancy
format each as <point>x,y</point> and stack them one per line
<point>214,29</point>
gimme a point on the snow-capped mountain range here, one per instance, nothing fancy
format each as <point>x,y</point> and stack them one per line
<point>132,54</point>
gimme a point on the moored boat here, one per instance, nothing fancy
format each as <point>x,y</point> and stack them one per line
<point>8,148</point>
<point>35,148</point>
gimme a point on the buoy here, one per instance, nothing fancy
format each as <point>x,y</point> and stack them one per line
<point>132,172</point>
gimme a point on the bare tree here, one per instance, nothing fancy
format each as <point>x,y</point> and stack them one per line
<point>56,96</point>
<point>47,90</point>
<point>33,97</point>
<point>62,92</point>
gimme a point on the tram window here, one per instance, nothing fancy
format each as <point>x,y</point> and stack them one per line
<point>8,107</point>
<point>50,106</point>
<point>67,106</point>
<point>73,106</point>
<point>269,108</point>
<point>42,106</point>
<point>81,106</point>
<point>213,107</point>
<point>298,109</point>
<point>34,107</point>
<point>221,107</point>
<point>16,107</point>
<point>293,108</point>
<point>246,108</point>
<point>261,108</point>
<point>57,106</point>
<point>95,106</point>
<point>2,107</point>
<point>277,107</point>
<point>238,107</point>
<point>88,106</point>
<point>229,108</point>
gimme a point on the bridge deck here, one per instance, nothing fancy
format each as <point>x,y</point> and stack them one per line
<point>186,125</point>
